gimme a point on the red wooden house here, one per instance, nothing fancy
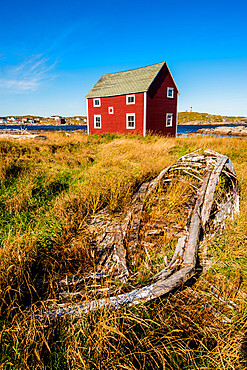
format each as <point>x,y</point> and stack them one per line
<point>134,101</point>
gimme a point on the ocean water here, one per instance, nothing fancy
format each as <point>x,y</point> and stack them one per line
<point>44,128</point>
<point>182,129</point>
<point>190,129</point>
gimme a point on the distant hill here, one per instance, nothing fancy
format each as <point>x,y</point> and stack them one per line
<point>205,118</point>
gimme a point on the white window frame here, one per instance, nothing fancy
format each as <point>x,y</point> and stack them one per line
<point>110,110</point>
<point>95,119</point>
<point>127,121</point>
<point>169,116</point>
<point>170,89</point>
<point>130,96</point>
<point>94,102</point>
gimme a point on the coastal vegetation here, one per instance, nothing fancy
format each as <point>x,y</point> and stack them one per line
<point>47,190</point>
<point>206,118</point>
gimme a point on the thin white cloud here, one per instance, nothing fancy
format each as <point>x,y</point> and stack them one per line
<point>18,85</point>
<point>29,75</point>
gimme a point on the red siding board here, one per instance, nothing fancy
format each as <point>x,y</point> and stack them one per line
<point>116,122</point>
<point>158,104</point>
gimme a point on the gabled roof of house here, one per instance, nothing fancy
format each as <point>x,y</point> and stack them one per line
<point>127,82</point>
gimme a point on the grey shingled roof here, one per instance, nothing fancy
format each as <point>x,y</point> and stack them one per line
<point>127,82</point>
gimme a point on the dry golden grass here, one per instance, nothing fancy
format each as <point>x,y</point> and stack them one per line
<point>47,190</point>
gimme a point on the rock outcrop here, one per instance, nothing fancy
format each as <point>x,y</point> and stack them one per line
<point>224,130</point>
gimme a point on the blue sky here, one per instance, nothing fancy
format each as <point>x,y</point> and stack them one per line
<point>53,52</point>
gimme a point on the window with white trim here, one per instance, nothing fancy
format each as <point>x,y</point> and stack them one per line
<point>97,121</point>
<point>130,99</point>
<point>130,120</point>
<point>170,92</point>
<point>110,110</point>
<point>96,102</point>
<point>169,117</point>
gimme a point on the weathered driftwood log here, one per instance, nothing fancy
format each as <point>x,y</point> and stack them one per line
<point>207,169</point>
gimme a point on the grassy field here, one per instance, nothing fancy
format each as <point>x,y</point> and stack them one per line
<point>47,189</point>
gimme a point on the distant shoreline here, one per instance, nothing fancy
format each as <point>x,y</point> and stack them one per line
<point>239,131</point>
<point>211,123</point>
<point>85,124</point>
<point>40,124</point>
